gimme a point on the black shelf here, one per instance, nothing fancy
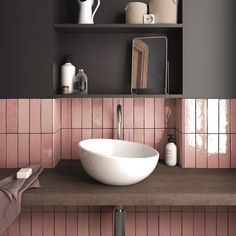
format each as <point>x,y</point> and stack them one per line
<point>119,28</point>
<point>118,95</point>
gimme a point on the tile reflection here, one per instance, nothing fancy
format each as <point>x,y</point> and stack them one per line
<point>213,121</point>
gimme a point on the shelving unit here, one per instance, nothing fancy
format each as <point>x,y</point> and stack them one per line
<point>104,49</point>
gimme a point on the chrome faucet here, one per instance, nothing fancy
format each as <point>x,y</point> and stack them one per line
<point>119,121</point>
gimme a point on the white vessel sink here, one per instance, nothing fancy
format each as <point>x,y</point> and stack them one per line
<point>117,162</point>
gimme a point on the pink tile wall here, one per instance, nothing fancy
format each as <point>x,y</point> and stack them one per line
<point>206,130</point>
<point>46,130</point>
<point>145,120</point>
<point>29,132</point>
<point>143,221</point>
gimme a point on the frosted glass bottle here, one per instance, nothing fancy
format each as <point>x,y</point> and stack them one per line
<point>81,83</point>
<point>171,152</point>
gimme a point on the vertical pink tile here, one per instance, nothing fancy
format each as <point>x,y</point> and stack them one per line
<point>86,134</point>
<point>210,224</point>
<point>66,143</point>
<point>164,223</point>
<point>12,161</point>
<point>107,133</point>
<point>149,137</point>
<point>14,229</point>
<point>129,135</point>
<point>187,223</point>
<point>83,224</point>
<point>47,150</point>
<point>213,116</point>
<point>56,115</point>
<point>138,112</point>
<point>97,113</point>
<point>128,112</point>
<point>152,224</point>
<point>149,112</point>
<point>141,223</point>
<point>47,116</point>
<point>107,113</point>
<point>160,142</point>
<point>179,143</point>
<point>224,116</point>
<point>66,113</point>
<point>60,223</point>
<point>233,116</point>
<point>139,136</point>
<point>56,147</point>
<point>179,114</point>
<point>189,151</point>
<point>175,228</point>
<point>170,105</point>
<point>106,224</point>
<point>48,224</point>
<point>97,133</point>
<point>3,112</point>
<point>12,111</point>
<point>37,223</point>
<point>25,223</point>
<point>159,113</point>
<point>130,224</point>
<point>35,115</point>
<point>86,113</point>
<point>71,223</point>
<point>23,116</point>
<point>94,223</point>
<point>35,148</point>
<point>201,150</point>
<point>3,150</point>
<point>233,151</point>
<point>224,150</point>
<point>76,113</point>
<point>189,116</point>
<point>116,102</point>
<point>232,225</point>
<point>23,150</point>
<point>213,150</point>
<point>199,223</point>
<point>201,116</point>
<point>222,224</point>
<point>76,138</point>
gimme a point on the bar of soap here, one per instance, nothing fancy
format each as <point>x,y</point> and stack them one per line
<point>24,173</point>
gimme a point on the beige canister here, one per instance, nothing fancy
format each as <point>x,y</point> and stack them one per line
<point>165,11</point>
<point>135,12</point>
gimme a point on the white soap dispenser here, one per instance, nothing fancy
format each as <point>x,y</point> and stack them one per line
<point>171,152</point>
<point>67,76</point>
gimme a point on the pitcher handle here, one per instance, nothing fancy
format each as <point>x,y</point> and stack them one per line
<point>95,10</point>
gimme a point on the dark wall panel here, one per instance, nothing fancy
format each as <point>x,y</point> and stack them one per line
<point>209,48</point>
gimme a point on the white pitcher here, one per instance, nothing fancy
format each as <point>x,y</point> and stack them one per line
<point>86,15</point>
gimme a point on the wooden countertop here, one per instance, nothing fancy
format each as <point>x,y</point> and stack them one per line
<point>68,184</point>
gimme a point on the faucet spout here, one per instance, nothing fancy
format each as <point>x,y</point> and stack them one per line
<point>119,121</point>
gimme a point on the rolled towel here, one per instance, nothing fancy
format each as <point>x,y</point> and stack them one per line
<point>11,190</point>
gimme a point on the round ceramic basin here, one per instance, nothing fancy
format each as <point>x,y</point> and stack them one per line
<point>117,162</point>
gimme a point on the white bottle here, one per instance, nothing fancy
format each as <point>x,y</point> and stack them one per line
<point>171,152</point>
<point>67,77</point>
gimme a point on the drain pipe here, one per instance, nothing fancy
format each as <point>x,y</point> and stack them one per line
<point>119,221</point>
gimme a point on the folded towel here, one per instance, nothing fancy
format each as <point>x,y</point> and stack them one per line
<point>11,190</point>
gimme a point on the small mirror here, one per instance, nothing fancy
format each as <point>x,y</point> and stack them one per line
<point>149,65</point>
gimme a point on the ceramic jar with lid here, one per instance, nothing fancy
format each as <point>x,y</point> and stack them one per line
<point>165,11</point>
